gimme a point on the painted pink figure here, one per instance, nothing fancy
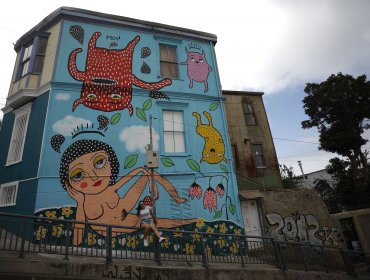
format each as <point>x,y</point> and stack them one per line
<point>108,77</point>
<point>198,68</point>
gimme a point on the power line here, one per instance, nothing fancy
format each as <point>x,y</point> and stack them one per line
<point>296,140</point>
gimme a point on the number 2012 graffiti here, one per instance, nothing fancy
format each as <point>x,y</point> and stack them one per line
<point>302,228</point>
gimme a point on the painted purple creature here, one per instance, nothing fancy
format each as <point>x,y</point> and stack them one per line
<point>198,68</point>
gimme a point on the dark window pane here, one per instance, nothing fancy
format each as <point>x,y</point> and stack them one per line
<point>258,155</point>
<point>39,63</point>
<point>41,49</point>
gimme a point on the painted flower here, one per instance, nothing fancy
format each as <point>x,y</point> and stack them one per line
<point>210,230</point>
<point>57,231</point>
<point>122,241</point>
<point>221,242</point>
<point>100,241</point>
<point>189,249</point>
<point>200,223</point>
<point>177,234</point>
<point>208,251</point>
<point>210,200</point>
<point>195,190</point>
<point>51,214</point>
<point>150,239</point>
<point>41,233</point>
<point>223,228</point>
<point>91,239</point>
<point>237,231</point>
<point>132,242</point>
<point>67,211</point>
<point>196,237</point>
<point>220,190</point>
<point>234,248</point>
<point>165,243</point>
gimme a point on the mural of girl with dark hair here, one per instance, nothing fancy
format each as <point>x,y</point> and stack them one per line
<point>89,173</point>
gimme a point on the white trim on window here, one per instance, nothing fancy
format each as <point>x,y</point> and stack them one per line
<point>16,146</point>
<point>173,132</point>
<point>8,194</point>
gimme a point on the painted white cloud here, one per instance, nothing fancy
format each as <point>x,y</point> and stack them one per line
<point>68,124</point>
<point>137,136</point>
<point>62,96</point>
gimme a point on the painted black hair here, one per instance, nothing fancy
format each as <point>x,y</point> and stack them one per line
<point>82,147</point>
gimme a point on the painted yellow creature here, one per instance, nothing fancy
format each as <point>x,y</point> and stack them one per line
<point>214,146</point>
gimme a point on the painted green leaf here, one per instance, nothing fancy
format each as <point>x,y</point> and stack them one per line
<point>224,168</point>
<point>213,106</point>
<point>218,214</point>
<point>130,161</point>
<point>232,208</point>
<point>193,165</point>
<point>115,118</point>
<point>167,162</point>
<point>140,114</point>
<point>147,105</point>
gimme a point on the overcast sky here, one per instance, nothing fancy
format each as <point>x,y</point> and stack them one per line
<point>263,45</point>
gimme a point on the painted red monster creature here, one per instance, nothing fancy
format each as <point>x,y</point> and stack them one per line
<point>108,77</point>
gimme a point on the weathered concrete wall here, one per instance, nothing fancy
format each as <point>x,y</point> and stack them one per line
<point>17,269</point>
<point>300,215</point>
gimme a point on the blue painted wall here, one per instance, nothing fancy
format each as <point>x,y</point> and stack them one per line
<point>25,171</point>
<point>192,187</point>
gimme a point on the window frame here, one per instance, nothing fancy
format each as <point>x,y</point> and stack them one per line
<point>19,113</point>
<point>168,61</point>
<point>264,165</point>
<point>174,132</point>
<point>33,55</point>
<point>249,113</point>
<point>13,202</point>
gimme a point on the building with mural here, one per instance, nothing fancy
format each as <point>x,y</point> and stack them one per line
<point>89,92</point>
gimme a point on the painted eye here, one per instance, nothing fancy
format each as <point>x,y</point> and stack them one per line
<point>192,59</point>
<point>99,161</point>
<point>77,175</point>
<point>201,61</point>
<point>115,96</point>
<point>91,96</point>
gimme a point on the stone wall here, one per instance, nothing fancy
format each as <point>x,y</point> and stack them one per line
<point>299,215</point>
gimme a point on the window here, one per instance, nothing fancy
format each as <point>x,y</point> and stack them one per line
<point>168,61</point>
<point>33,56</point>
<point>173,131</point>
<point>8,194</point>
<point>40,55</point>
<point>25,63</point>
<point>258,155</point>
<point>18,135</point>
<point>249,114</point>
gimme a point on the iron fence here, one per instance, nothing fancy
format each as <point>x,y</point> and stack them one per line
<point>25,234</point>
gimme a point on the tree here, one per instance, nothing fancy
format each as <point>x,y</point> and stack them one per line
<point>288,177</point>
<point>340,109</point>
<point>340,194</point>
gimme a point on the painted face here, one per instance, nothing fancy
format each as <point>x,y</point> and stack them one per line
<point>90,173</point>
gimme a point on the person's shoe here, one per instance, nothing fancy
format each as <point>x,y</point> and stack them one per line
<point>161,239</point>
<point>146,242</point>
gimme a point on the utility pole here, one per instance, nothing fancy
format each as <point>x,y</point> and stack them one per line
<point>151,163</point>
<point>152,185</point>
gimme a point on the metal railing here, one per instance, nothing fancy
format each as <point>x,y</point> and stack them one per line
<point>25,234</point>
